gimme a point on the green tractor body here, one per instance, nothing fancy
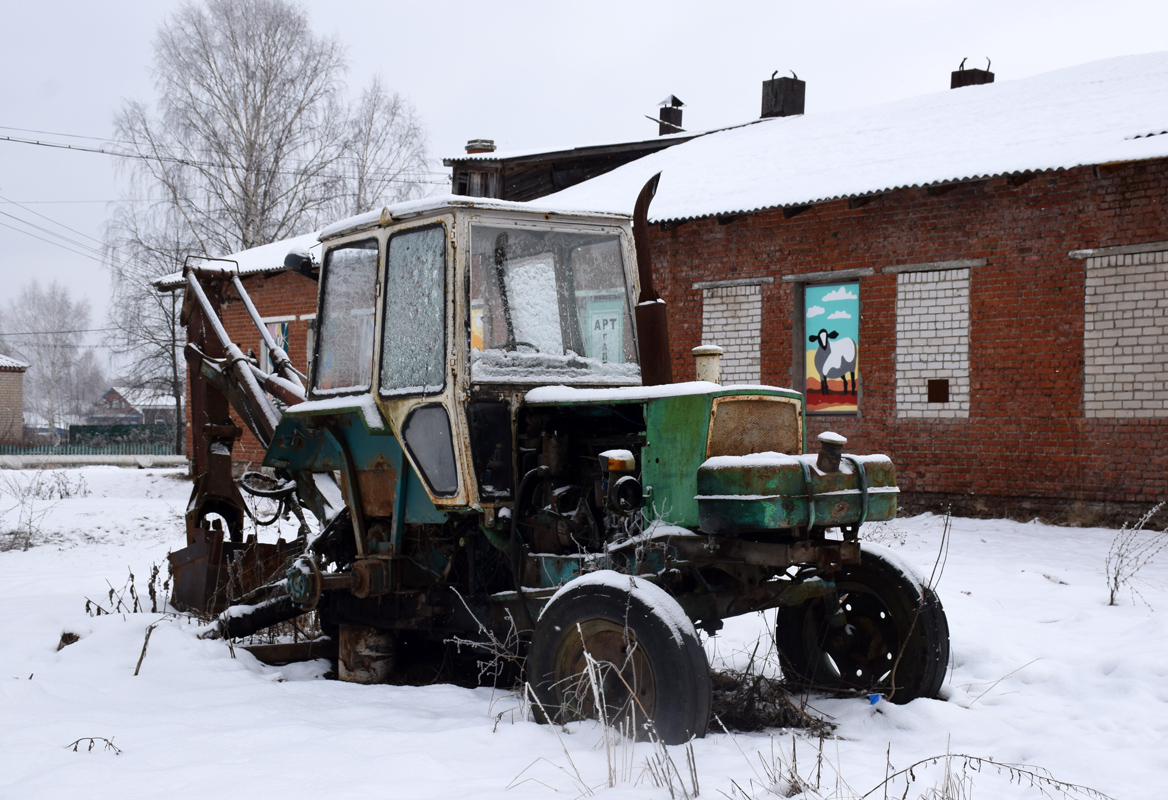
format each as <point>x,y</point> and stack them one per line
<point>478,447</point>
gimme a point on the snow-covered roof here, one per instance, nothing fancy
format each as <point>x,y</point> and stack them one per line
<point>145,398</point>
<point>1104,111</point>
<point>566,149</point>
<point>10,364</point>
<point>265,258</point>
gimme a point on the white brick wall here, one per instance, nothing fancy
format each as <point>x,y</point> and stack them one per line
<point>732,319</point>
<point>1125,336</point>
<point>932,341</point>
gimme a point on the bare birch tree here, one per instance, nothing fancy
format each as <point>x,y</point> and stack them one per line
<point>250,125</point>
<point>252,140</point>
<point>385,151</point>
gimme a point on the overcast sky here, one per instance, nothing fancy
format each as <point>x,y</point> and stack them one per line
<point>526,74</point>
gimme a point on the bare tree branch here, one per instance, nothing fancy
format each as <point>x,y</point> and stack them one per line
<point>251,141</point>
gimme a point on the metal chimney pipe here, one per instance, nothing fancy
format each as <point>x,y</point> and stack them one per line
<point>652,320</point>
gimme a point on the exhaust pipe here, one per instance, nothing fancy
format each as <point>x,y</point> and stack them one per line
<point>652,321</point>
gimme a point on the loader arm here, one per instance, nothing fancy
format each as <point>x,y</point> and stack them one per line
<point>222,379</point>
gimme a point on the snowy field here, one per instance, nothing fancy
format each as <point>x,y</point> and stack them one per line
<point>1043,672</point>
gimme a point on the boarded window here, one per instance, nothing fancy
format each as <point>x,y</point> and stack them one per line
<point>1125,337</point>
<point>732,320</point>
<point>932,343</point>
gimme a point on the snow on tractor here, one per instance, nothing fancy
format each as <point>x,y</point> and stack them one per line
<point>495,452</point>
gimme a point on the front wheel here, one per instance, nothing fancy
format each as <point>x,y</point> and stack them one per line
<point>889,635</point>
<point>620,649</point>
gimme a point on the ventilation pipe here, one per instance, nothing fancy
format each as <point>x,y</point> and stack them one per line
<point>783,97</point>
<point>970,77</point>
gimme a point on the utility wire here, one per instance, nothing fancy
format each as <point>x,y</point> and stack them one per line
<point>49,333</point>
<point>66,135</point>
<point>62,237</point>
<point>50,219</point>
<point>183,161</point>
<point>63,202</point>
<point>50,241</point>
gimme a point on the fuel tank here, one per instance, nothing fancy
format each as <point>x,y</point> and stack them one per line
<point>774,492</point>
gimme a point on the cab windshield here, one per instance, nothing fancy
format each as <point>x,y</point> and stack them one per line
<point>550,306</point>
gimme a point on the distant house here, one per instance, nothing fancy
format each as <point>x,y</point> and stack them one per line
<point>125,406</point>
<point>11,400</point>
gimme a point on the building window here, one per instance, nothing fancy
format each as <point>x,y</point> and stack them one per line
<point>932,342</point>
<point>732,320</point>
<point>831,324</point>
<point>1124,335</point>
<point>278,329</point>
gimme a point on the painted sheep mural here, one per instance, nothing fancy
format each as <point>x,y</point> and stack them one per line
<point>832,324</point>
<point>834,359</point>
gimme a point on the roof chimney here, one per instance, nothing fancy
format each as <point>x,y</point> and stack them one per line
<point>783,97</point>
<point>670,116</point>
<point>480,146</point>
<point>970,77</point>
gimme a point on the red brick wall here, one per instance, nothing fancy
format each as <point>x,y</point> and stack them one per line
<point>1026,435</point>
<point>280,295</point>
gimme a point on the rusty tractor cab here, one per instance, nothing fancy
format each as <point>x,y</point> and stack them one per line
<point>494,451</point>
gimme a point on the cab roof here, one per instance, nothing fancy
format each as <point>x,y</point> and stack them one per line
<point>438,203</point>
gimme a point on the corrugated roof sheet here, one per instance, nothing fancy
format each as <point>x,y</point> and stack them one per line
<point>1105,111</point>
<point>10,364</point>
<point>265,258</point>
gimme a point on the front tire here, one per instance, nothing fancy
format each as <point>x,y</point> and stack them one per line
<point>619,648</point>
<point>893,637</point>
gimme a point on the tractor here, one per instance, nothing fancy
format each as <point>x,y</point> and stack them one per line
<point>494,451</point>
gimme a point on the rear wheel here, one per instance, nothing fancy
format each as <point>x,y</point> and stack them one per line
<point>891,636</point>
<point>618,648</point>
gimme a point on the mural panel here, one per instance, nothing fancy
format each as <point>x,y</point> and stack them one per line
<point>831,320</point>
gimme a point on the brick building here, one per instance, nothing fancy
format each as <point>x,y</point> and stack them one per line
<point>996,255</point>
<point>1005,249</point>
<point>11,400</point>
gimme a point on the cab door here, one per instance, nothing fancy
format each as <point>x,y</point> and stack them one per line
<point>416,385</point>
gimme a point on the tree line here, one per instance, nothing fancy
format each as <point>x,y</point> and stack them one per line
<point>252,136</point>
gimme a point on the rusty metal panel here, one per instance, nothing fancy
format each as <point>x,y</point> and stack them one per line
<point>749,424</point>
<point>377,490</point>
<point>190,566</point>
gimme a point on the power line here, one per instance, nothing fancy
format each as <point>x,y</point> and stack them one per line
<point>64,202</point>
<point>8,343</point>
<point>50,219</point>
<point>47,333</point>
<point>95,252</point>
<point>182,161</point>
<point>66,135</point>
<point>50,241</point>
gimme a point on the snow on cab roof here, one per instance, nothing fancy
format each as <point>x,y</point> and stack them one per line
<point>438,202</point>
<point>265,258</point>
<point>1096,113</point>
<point>270,257</point>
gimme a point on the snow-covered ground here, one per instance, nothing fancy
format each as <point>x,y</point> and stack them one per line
<point>1043,672</point>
